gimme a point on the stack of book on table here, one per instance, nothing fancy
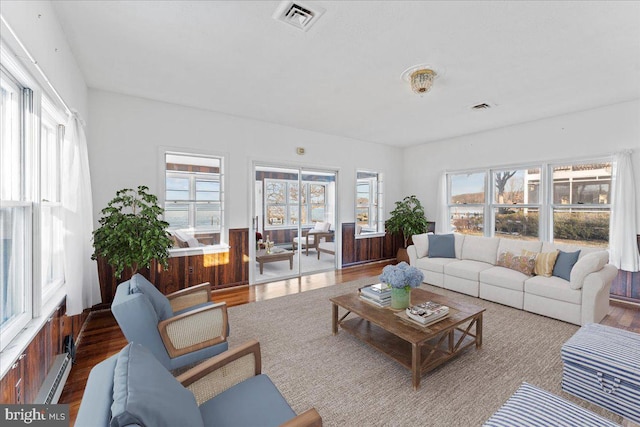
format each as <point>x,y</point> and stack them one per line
<point>427,312</point>
<point>378,294</point>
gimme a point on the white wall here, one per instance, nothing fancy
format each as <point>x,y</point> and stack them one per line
<point>126,133</point>
<point>594,132</point>
<point>38,28</point>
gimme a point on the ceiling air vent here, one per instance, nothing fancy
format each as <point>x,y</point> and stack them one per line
<point>483,106</point>
<point>297,14</point>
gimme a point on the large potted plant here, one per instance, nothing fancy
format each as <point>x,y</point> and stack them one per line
<point>131,232</point>
<point>407,219</point>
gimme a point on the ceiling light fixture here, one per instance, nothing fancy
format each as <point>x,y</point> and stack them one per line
<point>420,77</point>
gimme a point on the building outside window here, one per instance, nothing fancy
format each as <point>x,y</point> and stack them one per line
<point>581,194</point>
<point>369,209</point>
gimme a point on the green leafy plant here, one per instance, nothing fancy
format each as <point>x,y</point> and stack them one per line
<point>131,233</point>
<point>407,218</point>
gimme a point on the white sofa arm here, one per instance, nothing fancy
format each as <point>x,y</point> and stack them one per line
<point>595,294</point>
<point>413,254</point>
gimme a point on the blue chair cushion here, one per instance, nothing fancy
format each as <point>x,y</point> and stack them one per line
<point>140,285</point>
<point>145,393</point>
<point>442,246</point>
<point>564,264</point>
<point>253,402</point>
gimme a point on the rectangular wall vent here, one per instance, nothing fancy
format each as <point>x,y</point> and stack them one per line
<point>298,15</point>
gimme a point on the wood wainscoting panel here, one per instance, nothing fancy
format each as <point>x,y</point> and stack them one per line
<point>221,269</point>
<point>22,382</point>
<point>363,250</point>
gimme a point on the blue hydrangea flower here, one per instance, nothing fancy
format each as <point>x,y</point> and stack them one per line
<point>402,276</point>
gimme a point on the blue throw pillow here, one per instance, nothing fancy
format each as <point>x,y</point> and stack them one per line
<point>442,246</point>
<point>146,394</point>
<point>564,264</point>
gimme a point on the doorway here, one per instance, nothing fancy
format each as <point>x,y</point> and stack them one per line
<point>294,219</point>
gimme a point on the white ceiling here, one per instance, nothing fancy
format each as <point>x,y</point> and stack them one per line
<point>531,59</point>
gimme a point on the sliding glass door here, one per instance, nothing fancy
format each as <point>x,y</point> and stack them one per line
<point>294,217</point>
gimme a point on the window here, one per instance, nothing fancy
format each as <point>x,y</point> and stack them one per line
<point>467,202</point>
<point>515,203</point>
<point>369,209</point>
<point>566,203</point>
<point>31,228</point>
<point>580,202</point>
<point>15,211</point>
<point>194,196</point>
<point>288,203</point>
<point>51,226</point>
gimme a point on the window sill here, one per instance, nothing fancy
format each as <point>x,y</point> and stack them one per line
<point>12,352</point>
<point>201,250</point>
<point>370,235</point>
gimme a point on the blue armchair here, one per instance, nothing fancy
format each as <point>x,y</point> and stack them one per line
<point>180,329</point>
<point>132,389</point>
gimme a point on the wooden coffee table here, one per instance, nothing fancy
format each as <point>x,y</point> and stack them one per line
<point>417,348</point>
<point>263,257</point>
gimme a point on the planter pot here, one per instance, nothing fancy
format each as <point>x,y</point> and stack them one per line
<point>400,298</point>
<point>402,255</point>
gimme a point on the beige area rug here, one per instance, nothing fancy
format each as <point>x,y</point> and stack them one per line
<point>352,384</point>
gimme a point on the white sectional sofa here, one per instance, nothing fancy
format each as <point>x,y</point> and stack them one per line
<point>473,271</point>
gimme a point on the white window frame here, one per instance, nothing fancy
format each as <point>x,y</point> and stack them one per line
<point>545,205</point>
<point>162,176</point>
<point>53,117</point>
<point>480,206</point>
<point>375,206</point>
<point>287,205</point>
<point>494,205</point>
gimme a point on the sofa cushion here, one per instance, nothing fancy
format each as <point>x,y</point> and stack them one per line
<point>483,249</point>
<point>434,264</point>
<point>545,261</point>
<point>421,242</point>
<point>553,288</point>
<point>517,246</point>
<point>442,246</point>
<point>466,269</point>
<point>459,242</point>
<point>522,263</point>
<point>140,285</point>
<point>504,278</point>
<point>145,393</point>
<point>564,264</point>
<point>253,402</point>
<point>586,265</point>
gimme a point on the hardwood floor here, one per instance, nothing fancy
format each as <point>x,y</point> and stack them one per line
<point>102,337</point>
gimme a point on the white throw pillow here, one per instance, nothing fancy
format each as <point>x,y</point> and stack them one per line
<point>322,226</point>
<point>421,242</point>
<point>483,249</point>
<point>586,265</point>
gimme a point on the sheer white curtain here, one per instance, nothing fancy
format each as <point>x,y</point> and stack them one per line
<point>443,224</point>
<point>81,273</point>
<point>623,246</point>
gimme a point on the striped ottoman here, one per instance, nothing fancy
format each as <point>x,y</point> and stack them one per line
<point>602,366</point>
<point>533,407</point>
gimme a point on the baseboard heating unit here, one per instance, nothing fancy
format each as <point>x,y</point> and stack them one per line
<point>54,382</point>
